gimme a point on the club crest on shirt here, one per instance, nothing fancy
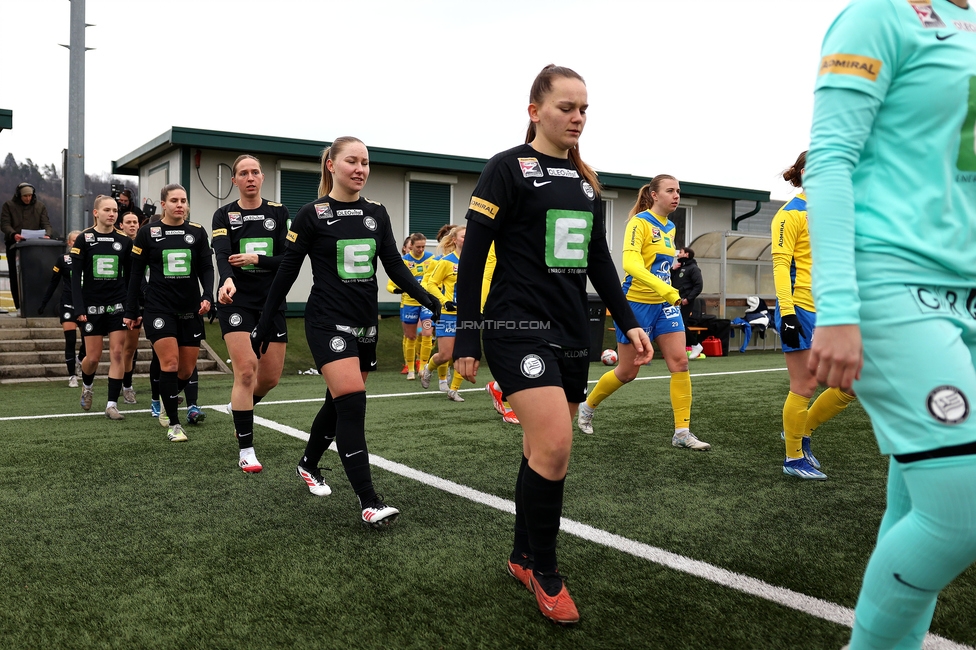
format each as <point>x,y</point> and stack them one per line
<point>155,231</point>
<point>116,246</point>
<point>90,237</point>
<point>323,210</point>
<point>926,14</point>
<point>188,239</point>
<point>370,223</point>
<point>235,218</point>
<point>587,190</point>
<point>655,235</point>
<point>948,405</point>
<point>269,224</point>
<point>530,168</point>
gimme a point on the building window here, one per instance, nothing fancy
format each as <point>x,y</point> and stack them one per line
<point>429,203</point>
<point>297,188</point>
<point>681,218</point>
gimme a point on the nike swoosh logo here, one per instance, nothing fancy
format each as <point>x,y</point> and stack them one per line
<point>899,579</point>
<point>196,336</point>
<point>354,453</point>
<point>330,222</point>
<point>280,334</point>
<point>236,227</point>
<point>160,239</point>
<point>372,363</point>
<point>940,37</point>
<point>540,184</point>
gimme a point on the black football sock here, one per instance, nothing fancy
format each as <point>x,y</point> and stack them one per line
<point>169,390</point>
<point>244,428</point>
<point>521,545</point>
<point>127,379</point>
<point>321,435</point>
<point>114,388</point>
<point>351,442</point>
<point>257,398</point>
<point>154,376</point>
<point>543,506</point>
<point>82,351</point>
<point>191,388</point>
<point>87,379</point>
<point>70,337</point>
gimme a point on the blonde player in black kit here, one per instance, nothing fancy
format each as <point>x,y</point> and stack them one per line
<point>249,239</point>
<point>99,260</point>
<point>178,255</point>
<point>343,235</point>
<point>540,205</point>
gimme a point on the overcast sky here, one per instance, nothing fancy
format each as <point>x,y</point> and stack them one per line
<point>711,91</point>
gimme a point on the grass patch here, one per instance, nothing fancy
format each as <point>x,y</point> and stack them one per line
<point>135,542</point>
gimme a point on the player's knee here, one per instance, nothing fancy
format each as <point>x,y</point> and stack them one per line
<point>351,405</point>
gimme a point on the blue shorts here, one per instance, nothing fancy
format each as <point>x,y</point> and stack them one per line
<point>447,326</point>
<point>655,320</point>
<point>410,314</point>
<point>918,383</point>
<point>808,321</point>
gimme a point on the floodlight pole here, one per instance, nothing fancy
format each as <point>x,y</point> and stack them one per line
<point>74,214</point>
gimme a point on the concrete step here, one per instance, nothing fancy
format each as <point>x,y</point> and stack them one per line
<point>57,356</point>
<point>22,333</point>
<point>58,369</point>
<point>47,345</point>
<point>6,322</point>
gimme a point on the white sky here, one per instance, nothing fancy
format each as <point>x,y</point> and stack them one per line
<point>711,91</point>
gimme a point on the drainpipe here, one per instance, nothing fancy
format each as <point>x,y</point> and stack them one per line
<point>736,220</point>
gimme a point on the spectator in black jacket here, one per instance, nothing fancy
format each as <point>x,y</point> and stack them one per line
<point>686,277</point>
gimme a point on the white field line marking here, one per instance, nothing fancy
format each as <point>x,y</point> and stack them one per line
<point>220,407</point>
<point>794,600</point>
<point>780,595</point>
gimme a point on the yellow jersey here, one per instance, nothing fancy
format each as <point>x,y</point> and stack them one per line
<point>442,280</point>
<point>791,257</point>
<point>417,266</point>
<point>648,253</point>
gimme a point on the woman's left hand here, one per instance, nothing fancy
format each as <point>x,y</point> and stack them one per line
<point>467,367</point>
<point>204,307</point>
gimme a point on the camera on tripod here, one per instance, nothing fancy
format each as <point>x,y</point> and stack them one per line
<point>117,189</point>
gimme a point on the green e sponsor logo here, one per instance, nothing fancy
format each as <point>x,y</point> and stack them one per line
<point>105,267</point>
<point>354,258</point>
<point>176,262</point>
<point>967,136</point>
<point>256,246</point>
<point>567,238</point>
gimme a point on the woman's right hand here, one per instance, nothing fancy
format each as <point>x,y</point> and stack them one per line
<point>467,367</point>
<point>225,295</point>
<point>836,356</point>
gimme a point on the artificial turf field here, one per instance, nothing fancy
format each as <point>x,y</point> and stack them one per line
<point>113,537</point>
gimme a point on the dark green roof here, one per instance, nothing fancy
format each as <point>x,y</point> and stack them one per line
<point>6,119</point>
<point>311,150</point>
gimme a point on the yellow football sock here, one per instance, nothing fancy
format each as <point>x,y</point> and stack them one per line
<point>830,402</point>
<point>456,381</point>
<point>681,399</point>
<point>442,372</point>
<point>794,423</point>
<point>409,351</point>
<point>604,388</point>
<point>425,347</point>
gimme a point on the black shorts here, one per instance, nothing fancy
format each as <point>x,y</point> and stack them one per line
<point>187,329</point>
<point>330,343</point>
<point>518,363</point>
<point>238,319</point>
<point>102,324</point>
<point>67,315</point>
